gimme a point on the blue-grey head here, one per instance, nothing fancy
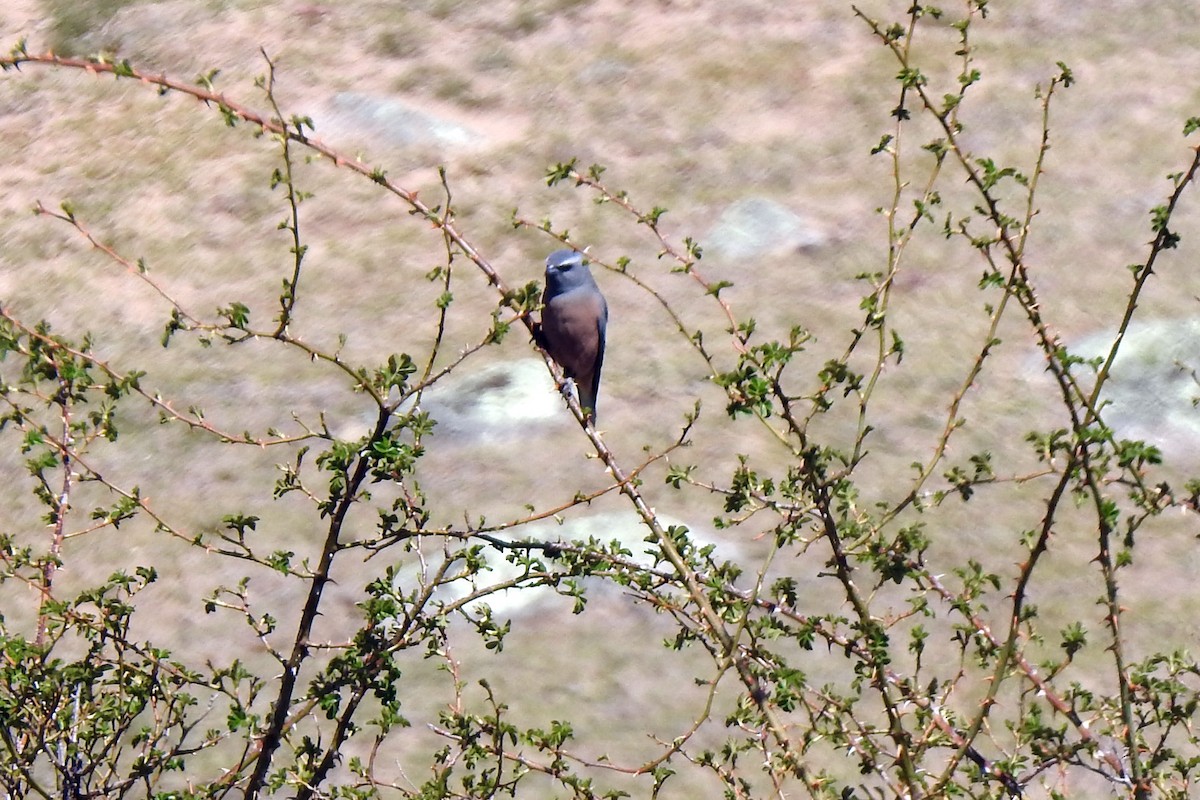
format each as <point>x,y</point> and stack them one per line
<point>567,270</point>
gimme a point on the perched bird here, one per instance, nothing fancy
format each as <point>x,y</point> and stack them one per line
<point>574,320</point>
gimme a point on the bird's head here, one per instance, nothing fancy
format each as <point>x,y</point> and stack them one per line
<point>567,269</point>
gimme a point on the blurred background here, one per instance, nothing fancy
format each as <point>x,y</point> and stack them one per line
<point>752,122</point>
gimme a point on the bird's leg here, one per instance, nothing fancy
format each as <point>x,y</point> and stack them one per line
<point>567,387</point>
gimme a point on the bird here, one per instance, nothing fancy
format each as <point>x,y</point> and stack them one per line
<point>574,323</point>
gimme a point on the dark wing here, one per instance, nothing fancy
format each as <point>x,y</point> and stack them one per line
<point>602,337</point>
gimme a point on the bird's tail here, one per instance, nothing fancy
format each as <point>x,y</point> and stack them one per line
<point>587,398</point>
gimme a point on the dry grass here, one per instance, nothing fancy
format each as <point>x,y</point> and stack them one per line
<point>691,105</point>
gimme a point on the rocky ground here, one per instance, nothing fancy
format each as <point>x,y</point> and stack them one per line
<point>752,121</point>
